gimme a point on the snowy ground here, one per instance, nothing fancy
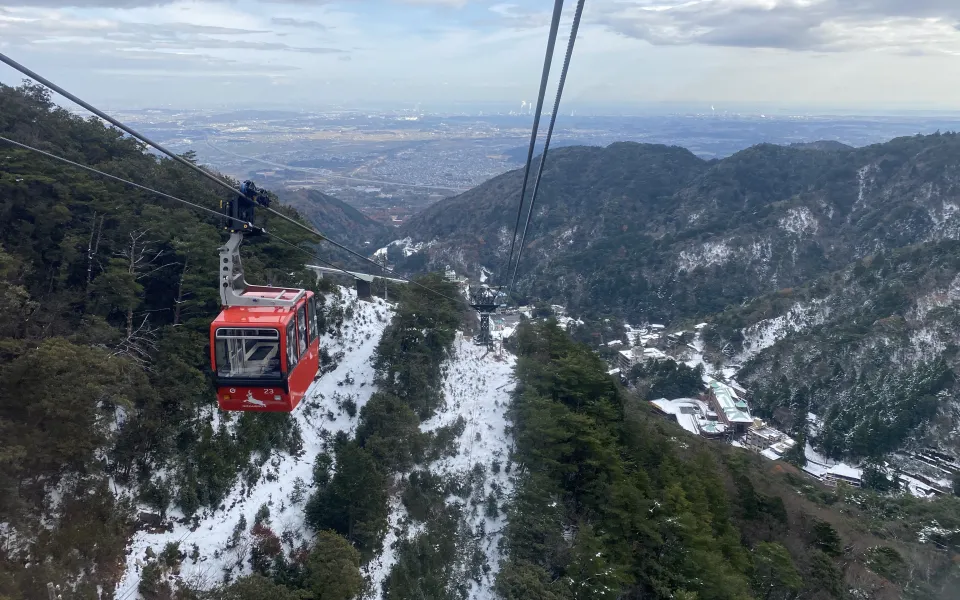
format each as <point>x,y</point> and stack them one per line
<point>320,416</point>
<point>477,387</point>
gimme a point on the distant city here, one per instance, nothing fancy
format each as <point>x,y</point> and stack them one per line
<point>392,164</point>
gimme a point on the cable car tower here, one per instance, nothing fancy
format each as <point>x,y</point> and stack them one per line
<point>485,303</point>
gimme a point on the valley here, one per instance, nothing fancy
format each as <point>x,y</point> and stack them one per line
<point>391,164</point>
<point>816,283</point>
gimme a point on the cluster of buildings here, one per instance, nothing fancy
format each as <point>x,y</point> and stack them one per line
<point>719,412</point>
<point>645,341</point>
<point>722,412</point>
<point>694,415</point>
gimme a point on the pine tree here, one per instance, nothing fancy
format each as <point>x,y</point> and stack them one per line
<point>775,577</point>
<point>354,504</point>
<point>332,571</point>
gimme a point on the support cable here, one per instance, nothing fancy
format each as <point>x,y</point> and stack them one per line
<point>204,209</point>
<point>545,76</point>
<point>29,73</point>
<point>546,144</point>
<point>14,64</point>
<point>115,178</point>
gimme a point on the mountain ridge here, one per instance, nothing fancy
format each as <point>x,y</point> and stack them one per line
<point>333,216</point>
<point>852,244</point>
<point>662,226</point>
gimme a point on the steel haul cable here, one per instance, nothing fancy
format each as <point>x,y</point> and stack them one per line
<point>544,77</point>
<point>546,144</point>
<point>198,207</point>
<point>108,175</point>
<point>29,73</point>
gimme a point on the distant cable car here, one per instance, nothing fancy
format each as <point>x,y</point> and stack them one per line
<point>264,345</point>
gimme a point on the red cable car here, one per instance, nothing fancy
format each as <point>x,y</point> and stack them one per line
<point>264,345</point>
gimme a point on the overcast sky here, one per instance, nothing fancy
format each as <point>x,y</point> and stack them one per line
<point>857,54</point>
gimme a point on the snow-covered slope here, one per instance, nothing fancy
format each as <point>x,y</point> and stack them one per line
<point>477,387</point>
<point>209,555</point>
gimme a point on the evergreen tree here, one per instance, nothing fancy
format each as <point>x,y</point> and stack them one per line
<point>332,571</point>
<point>775,577</point>
<point>525,581</point>
<point>256,587</point>
<point>354,504</point>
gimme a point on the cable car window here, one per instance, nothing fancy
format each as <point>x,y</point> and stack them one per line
<point>292,354</point>
<point>302,327</point>
<point>312,319</point>
<point>248,352</point>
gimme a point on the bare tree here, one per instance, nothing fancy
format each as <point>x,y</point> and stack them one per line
<point>141,259</point>
<point>93,246</point>
<point>181,296</point>
<point>139,343</point>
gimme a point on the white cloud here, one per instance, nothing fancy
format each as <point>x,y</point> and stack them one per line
<point>443,3</point>
<point>808,52</point>
<point>818,25</point>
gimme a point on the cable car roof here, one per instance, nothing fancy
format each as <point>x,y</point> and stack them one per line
<point>254,315</point>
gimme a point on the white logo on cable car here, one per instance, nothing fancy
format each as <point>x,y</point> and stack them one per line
<point>254,401</point>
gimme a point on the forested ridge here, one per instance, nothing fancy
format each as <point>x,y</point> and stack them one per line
<point>333,216</point>
<point>613,502</point>
<point>647,231</point>
<point>872,348</point>
<point>107,296</point>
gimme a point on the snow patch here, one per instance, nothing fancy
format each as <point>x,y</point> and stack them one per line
<point>862,183</point>
<point>709,253</point>
<point>477,387</point>
<point>320,416</point>
<point>398,526</point>
<point>934,529</point>
<point>800,221</point>
<point>766,333</point>
<point>407,245</point>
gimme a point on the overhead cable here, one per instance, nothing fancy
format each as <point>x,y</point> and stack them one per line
<point>546,143</point>
<point>202,208</point>
<point>14,64</point>
<point>114,177</point>
<point>339,268</point>
<point>544,77</point>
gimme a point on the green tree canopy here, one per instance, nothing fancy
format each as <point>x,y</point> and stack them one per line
<point>332,571</point>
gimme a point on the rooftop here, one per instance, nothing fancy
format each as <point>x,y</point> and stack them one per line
<point>782,447</point>
<point>733,407</point>
<point>690,415</point>
<point>767,433</point>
